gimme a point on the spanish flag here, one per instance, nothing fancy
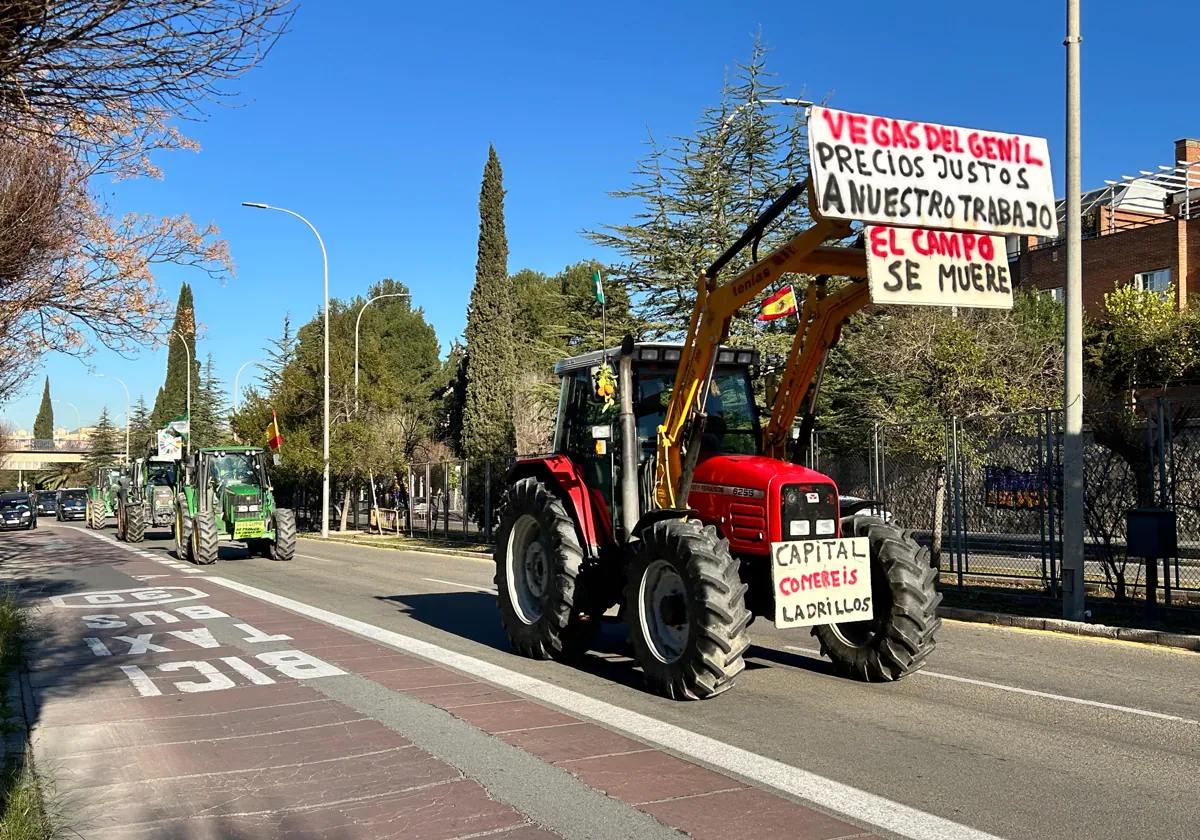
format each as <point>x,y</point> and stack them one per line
<point>274,439</point>
<point>778,305</point>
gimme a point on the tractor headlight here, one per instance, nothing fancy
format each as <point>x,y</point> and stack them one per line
<point>826,527</point>
<point>243,508</point>
<point>254,508</point>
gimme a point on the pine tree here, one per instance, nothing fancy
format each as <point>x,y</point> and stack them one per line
<point>172,399</point>
<point>103,444</point>
<point>43,426</point>
<point>281,354</point>
<point>491,353</point>
<point>209,409</point>
<point>141,432</point>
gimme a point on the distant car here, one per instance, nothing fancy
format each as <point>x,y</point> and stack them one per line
<point>71,504</point>
<point>852,508</point>
<point>46,502</point>
<point>17,511</point>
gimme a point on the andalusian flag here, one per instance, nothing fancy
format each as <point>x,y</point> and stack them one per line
<point>274,439</point>
<point>778,305</point>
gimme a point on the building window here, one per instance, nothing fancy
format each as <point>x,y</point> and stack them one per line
<point>1056,294</point>
<point>1153,281</point>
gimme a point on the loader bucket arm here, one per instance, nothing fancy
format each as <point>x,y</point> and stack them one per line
<point>714,308</point>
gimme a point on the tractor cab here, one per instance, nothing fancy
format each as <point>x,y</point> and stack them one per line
<point>236,480</point>
<point>752,500</point>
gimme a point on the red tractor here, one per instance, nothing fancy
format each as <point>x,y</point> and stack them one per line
<point>676,503</point>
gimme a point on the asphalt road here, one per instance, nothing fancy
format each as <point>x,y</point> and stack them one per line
<point>1016,733</point>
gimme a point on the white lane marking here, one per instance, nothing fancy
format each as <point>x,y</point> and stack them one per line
<point>826,793</point>
<point>463,585</point>
<point>313,557</point>
<point>1045,695</point>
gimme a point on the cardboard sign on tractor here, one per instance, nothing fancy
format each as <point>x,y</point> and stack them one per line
<point>920,267</point>
<point>914,174</point>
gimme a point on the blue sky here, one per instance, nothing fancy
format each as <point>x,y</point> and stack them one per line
<point>373,120</point>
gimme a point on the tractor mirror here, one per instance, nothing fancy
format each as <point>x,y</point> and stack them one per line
<point>601,432</point>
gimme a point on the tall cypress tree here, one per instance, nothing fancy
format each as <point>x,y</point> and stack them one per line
<point>43,426</point>
<point>491,353</point>
<point>172,399</point>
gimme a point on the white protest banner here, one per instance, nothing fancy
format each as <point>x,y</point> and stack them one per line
<point>915,174</point>
<point>915,266</point>
<point>169,445</point>
<point>821,581</point>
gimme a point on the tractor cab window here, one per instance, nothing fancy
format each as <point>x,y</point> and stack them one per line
<point>161,475</point>
<point>234,468</point>
<point>732,427</point>
<point>584,409</point>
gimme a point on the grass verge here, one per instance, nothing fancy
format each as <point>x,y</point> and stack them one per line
<point>25,812</point>
<point>404,543</point>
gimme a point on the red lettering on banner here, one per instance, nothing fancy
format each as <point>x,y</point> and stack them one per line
<point>836,123</point>
<point>968,240</point>
<point>924,251</point>
<point>858,129</point>
<point>879,242</point>
<point>1030,159</point>
<point>852,578</point>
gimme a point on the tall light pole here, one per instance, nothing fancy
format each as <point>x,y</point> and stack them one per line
<point>78,418</point>
<point>237,376</point>
<point>1072,537</point>
<point>325,448</point>
<point>187,439</point>
<point>358,321</point>
<point>126,387</point>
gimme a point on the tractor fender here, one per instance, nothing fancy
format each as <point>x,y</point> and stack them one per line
<point>587,507</point>
<point>655,516</point>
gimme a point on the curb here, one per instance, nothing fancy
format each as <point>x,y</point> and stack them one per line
<point>1075,628</point>
<point>447,552</point>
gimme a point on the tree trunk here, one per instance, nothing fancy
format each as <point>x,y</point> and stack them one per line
<point>939,509</point>
<point>345,508</point>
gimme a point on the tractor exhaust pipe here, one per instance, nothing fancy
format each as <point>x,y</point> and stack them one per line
<point>630,508</point>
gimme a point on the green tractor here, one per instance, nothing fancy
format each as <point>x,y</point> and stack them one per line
<point>226,496</point>
<point>146,497</point>
<point>102,497</point>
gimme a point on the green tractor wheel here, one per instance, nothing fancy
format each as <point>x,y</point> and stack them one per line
<point>284,547</point>
<point>96,515</point>
<point>205,538</point>
<point>183,534</point>
<point>135,523</point>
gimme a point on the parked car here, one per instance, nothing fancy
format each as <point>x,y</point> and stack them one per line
<point>71,503</point>
<point>17,511</point>
<point>46,502</point>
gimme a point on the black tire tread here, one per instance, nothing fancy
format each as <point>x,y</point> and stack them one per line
<point>135,523</point>
<point>718,640</point>
<point>284,546</point>
<point>208,541</point>
<point>565,629</point>
<point>909,635</point>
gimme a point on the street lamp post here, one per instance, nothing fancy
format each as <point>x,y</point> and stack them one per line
<point>126,387</point>
<point>325,447</point>
<point>236,392</point>
<point>187,439</point>
<point>358,321</point>
<point>78,417</point>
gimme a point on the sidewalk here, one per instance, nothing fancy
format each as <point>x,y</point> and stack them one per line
<point>172,706</point>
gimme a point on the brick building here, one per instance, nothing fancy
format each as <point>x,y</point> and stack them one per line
<point>1143,230</point>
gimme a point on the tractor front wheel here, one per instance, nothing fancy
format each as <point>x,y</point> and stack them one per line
<point>183,534</point>
<point>96,515</point>
<point>135,523</point>
<point>284,547</point>
<point>205,539</point>
<point>685,605</point>
<point>898,639</point>
<point>539,562</point>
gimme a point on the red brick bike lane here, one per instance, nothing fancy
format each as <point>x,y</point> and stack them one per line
<point>172,707</point>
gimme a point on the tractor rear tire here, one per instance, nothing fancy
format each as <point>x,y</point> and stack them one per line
<point>96,516</point>
<point>206,541</point>
<point>539,564</point>
<point>902,634</point>
<point>685,605</point>
<point>135,523</point>
<point>284,547</point>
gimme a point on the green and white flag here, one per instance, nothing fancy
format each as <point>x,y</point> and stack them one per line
<point>599,287</point>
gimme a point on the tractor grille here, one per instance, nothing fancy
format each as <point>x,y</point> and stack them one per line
<point>246,507</point>
<point>749,522</point>
<point>809,512</point>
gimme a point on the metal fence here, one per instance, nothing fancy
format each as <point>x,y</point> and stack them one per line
<point>985,493</point>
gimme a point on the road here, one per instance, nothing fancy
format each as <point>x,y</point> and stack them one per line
<point>1015,733</point>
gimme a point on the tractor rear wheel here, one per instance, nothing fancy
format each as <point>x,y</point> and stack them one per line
<point>685,605</point>
<point>539,562</point>
<point>901,635</point>
<point>284,547</point>
<point>96,515</point>
<point>135,523</point>
<point>205,539</point>
<point>183,533</point>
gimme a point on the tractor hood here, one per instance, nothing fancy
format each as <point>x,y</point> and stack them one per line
<point>752,473</point>
<point>243,490</point>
